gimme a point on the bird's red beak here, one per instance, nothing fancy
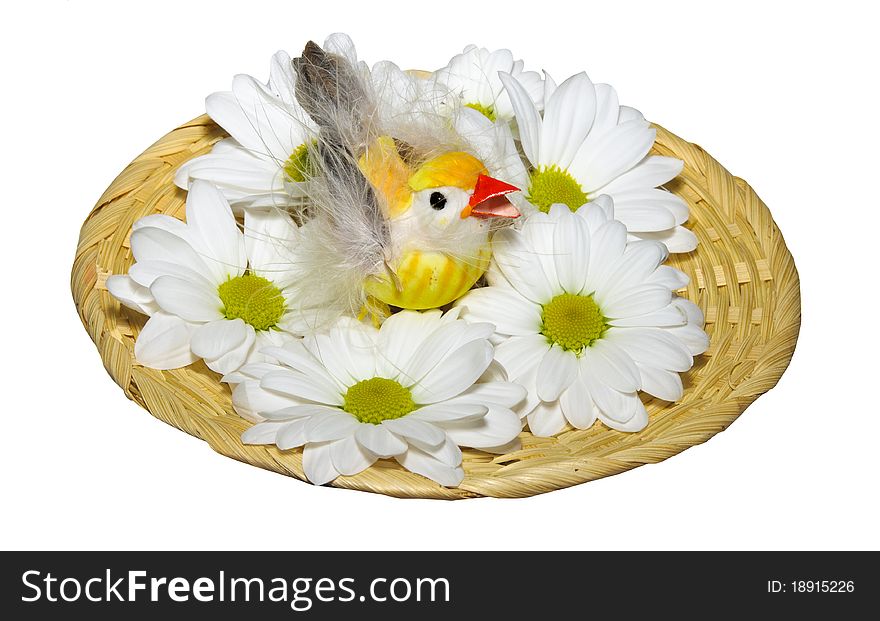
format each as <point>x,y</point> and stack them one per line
<point>489,200</point>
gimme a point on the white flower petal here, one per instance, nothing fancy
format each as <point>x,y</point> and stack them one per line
<point>638,204</point>
<point>668,316</point>
<point>629,114</point>
<point>598,212</point>
<point>332,356</point>
<point>331,426</point>
<point>529,381</point>
<point>213,231</point>
<point>520,264</point>
<point>546,420</point>
<point>662,384</point>
<point>607,109</point>
<point>256,370</point>
<point>217,338</point>
<point>233,359</point>
<point>610,403</point>
<point>291,434</point>
<point>163,343</point>
<point>270,236</point>
<point>154,244</point>
<point>511,447</point>
<point>282,77</point>
<point>639,261</point>
<point>237,173</point>
<point>439,341</point>
<point>349,457</point>
<point>341,44</point>
<point>146,272</point>
<point>379,440</point>
<point>678,239</point>
<point>527,118</point>
<point>261,433</point>
<point>499,426</point>
<point>314,411</point>
<point>656,347</point>
<point>692,337</point>
<point>521,354</point>
<point>131,294</point>
<point>636,420</point>
<point>451,378</point>
<point>505,308</point>
<point>668,276</point>
<point>251,401</point>
<point>612,154</point>
<point>607,244</point>
<point>162,221</point>
<point>637,301</point>
<point>356,345</point>
<point>419,462</point>
<point>503,393</point>
<point>427,434</point>
<point>295,355</point>
<point>571,251</point>
<point>611,365</point>
<point>568,117</point>
<point>692,311</point>
<point>400,336</point>
<point>278,133</point>
<point>448,452</point>
<point>538,233</point>
<point>300,386</point>
<point>450,411</point>
<point>558,369</point>
<point>651,172</point>
<point>644,217</point>
<point>187,299</point>
<point>317,463</point>
<point>229,114</point>
<point>577,405</point>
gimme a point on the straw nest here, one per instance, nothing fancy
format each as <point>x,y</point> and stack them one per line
<point>742,276</point>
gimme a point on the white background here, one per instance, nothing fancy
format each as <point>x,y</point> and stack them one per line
<point>784,96</point>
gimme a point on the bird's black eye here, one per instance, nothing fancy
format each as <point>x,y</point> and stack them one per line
<point>438,201</point>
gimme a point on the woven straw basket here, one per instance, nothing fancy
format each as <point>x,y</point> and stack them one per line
<point>742,276</point>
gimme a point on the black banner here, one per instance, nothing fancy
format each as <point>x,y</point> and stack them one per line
<point>515,585</point>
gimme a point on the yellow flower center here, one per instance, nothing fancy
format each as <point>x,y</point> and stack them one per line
<point>486,111</point>
<point>572,321</point>
<point>551,185</point>
<point>378,399</point>
<point>252,299</point>
<point>298,167</point>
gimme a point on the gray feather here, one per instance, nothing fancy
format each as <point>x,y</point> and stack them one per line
<point>350,237</point>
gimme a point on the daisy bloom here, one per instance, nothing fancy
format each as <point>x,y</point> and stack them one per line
<point>585,144</point>
<point>473,76</point>
<point>265,161</point>
<point>211,291</point>
<point>586,320</point>
<point>408,390</point>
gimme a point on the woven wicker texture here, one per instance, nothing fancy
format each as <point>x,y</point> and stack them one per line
<point>742,276</point>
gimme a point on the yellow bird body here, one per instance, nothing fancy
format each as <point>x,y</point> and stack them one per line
<point>427,279</point>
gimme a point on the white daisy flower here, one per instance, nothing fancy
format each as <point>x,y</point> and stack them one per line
<point>586,320</point>
<point>357,394</point>
<point>265,162</point>
<point>473,76</point>
<point>211,292</point>
<point>585,144</point>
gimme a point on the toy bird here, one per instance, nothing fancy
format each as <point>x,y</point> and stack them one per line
<point>388,221</point>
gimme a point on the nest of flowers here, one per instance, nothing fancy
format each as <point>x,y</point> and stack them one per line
<point>473,282</point>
